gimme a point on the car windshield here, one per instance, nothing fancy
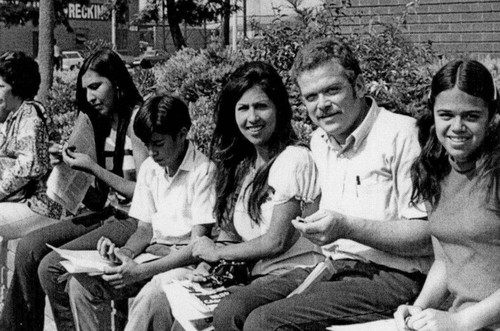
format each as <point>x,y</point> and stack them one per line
<point>71,55</point>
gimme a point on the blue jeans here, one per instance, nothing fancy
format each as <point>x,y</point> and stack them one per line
<point>357,292</point>
<point>37,269</point>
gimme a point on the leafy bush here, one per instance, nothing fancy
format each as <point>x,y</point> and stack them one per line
<point>61,106</point>
<point>396,71</point>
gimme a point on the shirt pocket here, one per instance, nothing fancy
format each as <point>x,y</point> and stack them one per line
<point>373,198</point>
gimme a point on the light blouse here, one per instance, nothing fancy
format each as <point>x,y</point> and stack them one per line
<point>293,175</point>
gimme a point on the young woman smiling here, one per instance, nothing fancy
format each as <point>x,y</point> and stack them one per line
<point>263,179</point>
<point>457,175</point>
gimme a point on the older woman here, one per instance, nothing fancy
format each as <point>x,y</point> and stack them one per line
<point>24,157</point>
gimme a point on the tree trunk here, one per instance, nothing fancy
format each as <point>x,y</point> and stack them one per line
<point>46,47</point>
<point>173,23</point>
<point>225,22</point>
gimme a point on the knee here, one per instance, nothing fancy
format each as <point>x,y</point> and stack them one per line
<point>44,269</point>
<point>259,319</point>
<point>29,252</point>
<point>231,313</point>
<point>151,298</point>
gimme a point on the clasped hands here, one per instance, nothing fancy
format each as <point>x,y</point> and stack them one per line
<point>413,318</point>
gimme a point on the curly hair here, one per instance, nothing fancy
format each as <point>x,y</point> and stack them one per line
<point>21,72</point>
<point>321,51</point>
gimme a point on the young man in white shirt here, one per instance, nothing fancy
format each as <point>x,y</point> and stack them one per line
<point>173,201</point>
<point>379,241</point>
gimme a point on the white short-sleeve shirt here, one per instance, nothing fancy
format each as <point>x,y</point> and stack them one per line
<point>369,177</point>
<point>293,175</point>
<point>174,204</point>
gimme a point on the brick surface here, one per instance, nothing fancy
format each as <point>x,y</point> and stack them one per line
<point>455,26</point>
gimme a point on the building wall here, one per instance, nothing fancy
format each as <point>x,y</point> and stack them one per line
<point>453,26</point>
<point>456,26</point>
<point>87,24</point>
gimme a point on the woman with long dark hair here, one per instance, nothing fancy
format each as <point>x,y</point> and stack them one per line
<point>457,176</point>
<point>108,96</point>
<point>264,179</point>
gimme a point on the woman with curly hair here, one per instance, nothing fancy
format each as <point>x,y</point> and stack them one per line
<point>24,157</point>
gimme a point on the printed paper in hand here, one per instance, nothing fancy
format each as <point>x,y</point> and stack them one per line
<point>67,186</point>
<point>90,261</point>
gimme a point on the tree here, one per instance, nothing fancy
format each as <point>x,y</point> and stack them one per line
<point>193,12</point>
<point>173,23</point>
<point>50,13</point>
<point>46,47</point>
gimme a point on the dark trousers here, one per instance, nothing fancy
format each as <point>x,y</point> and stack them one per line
<point>357,292</point>
<point>37,269</point>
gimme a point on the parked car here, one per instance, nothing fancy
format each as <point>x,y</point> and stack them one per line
<point>127,59</point>
<point>150,57</point>
<point>71,60</point>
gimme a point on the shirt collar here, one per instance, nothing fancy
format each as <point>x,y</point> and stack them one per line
<point>188,163</point>
<point>13,114</point>
<point>362,131</point>
<point>355,139</point>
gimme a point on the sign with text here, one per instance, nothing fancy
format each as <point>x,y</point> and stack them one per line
<point>92,11</point>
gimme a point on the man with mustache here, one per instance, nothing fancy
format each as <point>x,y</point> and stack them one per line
<point>379,242</point>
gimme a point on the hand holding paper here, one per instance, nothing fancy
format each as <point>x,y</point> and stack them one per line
<point>55,154</point>
<point>66,185</point>
<point>78,161</point>
<point>90,261</point>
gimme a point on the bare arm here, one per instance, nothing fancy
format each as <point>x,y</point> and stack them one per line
<point>400,237</point>
<point>130,272</point>
<point>435,289</point>
<point>482,314</point>
<point>277,240</point>
<point>83,162</point>
<point>433,293</point>
<point>177,258</point>
<point>136,244</point>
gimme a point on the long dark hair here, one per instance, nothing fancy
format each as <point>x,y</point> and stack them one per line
<point>432,165</point>
<point>233,153</point>
<point>107,63</point>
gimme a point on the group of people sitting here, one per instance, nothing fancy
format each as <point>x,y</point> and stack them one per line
<point>406,208</point>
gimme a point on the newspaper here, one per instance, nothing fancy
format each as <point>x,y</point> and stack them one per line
<point>90,261</point>
<point>68,186</point>
<point>192,305</point>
